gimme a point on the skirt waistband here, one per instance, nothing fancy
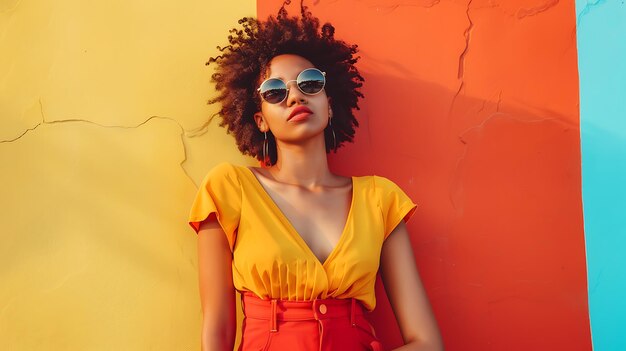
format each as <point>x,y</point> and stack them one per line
<point>282,310</point>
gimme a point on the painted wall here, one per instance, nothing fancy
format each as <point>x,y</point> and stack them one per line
<point>472,107</point>
<point>103,138</point>
<point>601,33</point>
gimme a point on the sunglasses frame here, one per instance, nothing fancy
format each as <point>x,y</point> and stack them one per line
<point>293,80</point>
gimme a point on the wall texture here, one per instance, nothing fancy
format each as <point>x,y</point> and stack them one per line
<point>602,65</point>
<point>471,106</point>
<point>103,135</point>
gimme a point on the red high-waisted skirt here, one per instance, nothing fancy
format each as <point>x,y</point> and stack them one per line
<point>318,325</point>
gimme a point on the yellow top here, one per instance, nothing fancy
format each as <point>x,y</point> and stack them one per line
<point>271,260</point>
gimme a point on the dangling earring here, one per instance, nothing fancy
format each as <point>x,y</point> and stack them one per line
<point>332,130</point>
<point>266,150</point>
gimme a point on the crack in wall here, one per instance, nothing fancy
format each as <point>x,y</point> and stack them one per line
<point>587,9</point>
<point>456,95</point>
<point>467,34</point>
<point>21,135</point>
<point>201,130</point>
<point>499,101</point>
<point>377,4</point>
<point>391,8</point>
<point>461,67</point>
<point>482,107</point>
<point>184,133</point>
<point>43,121</point>
<point>488,6</point>
<point>521,13</point>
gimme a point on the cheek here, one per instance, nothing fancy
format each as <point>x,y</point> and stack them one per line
<point>271,112</point>
<point>323,102</point>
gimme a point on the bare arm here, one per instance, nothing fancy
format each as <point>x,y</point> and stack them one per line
<point>407,295</point>
<point>217,294</point>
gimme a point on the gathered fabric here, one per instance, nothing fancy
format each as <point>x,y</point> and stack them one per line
<point>270,258</point>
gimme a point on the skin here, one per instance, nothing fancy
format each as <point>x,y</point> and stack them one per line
<point>316,202</point>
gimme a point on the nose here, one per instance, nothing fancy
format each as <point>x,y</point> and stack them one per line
<point>294,94</point>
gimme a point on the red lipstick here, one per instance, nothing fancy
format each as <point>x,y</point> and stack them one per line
<point>300,112</point>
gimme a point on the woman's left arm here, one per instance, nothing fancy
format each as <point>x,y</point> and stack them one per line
<point>406,293</point>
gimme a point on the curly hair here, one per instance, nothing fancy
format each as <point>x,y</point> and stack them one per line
<point>243,63</point>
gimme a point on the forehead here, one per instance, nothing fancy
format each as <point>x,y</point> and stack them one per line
<point>287,66</point>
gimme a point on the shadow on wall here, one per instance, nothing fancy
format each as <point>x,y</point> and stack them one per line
<point>498,234</point>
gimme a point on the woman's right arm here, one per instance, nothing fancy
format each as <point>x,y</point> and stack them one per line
<point>217,293</point>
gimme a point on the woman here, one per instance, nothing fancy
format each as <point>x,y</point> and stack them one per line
<point>301,244</point>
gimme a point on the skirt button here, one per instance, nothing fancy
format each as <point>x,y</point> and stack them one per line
<point>323,309</point>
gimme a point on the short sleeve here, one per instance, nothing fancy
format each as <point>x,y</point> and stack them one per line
<point>219,193</point>
<point>395,204</point>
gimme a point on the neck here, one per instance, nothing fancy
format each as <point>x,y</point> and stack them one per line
<point>304,163</point>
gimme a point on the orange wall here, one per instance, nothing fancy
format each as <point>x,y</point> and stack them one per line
<point>473,109</point>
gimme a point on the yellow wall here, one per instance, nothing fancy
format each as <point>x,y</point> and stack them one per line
<point>103,140</point>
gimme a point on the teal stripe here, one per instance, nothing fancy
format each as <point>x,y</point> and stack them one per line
<point>601,35</point>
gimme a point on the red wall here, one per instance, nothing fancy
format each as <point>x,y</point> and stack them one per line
<point>473,110</point>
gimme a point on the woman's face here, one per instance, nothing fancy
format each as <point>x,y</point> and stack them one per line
<point>279,118</point>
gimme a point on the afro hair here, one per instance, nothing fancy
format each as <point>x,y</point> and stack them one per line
<point>241,65</point>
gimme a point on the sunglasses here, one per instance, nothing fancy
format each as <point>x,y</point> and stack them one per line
<point>311,81</point>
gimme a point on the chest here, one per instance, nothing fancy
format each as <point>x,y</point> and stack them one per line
<point>318,218</point>
<point>314,236</point>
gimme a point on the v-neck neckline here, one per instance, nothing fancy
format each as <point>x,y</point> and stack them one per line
<point>291,227</point>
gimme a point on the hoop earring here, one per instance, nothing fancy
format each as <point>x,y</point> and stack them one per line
<point>266,150</point>
<point>334,137</point>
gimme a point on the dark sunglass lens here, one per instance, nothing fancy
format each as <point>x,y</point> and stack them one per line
<point>273,91</point>
<point>274,96</point>
<point>311,81</point>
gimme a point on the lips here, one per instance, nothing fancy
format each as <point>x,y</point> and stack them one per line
<point>299,110</point>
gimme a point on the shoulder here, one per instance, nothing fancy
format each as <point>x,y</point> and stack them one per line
<point>223,172</point>
<point>383,182</point>
<point>380,184</point>
<point>383,188</point>
<point>225,169</point>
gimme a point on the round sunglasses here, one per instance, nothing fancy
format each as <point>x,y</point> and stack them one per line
<point>311,81</point>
